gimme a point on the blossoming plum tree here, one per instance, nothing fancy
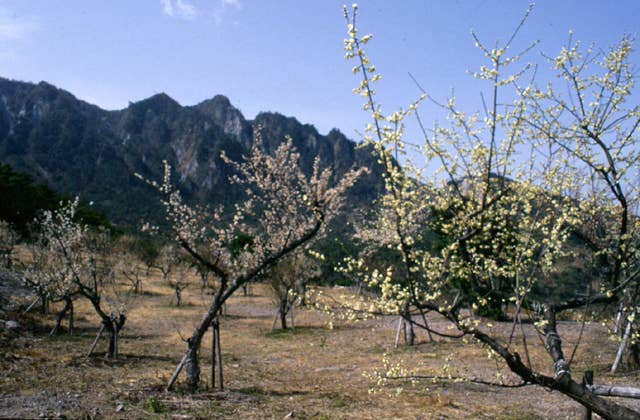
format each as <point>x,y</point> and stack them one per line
<point>48,277</point>
<point>500,223</point>
<point>595,128</point>
<point>284,210</point>
<point>75,261</point>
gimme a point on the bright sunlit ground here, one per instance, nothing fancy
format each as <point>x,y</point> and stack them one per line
<point>306,372</point>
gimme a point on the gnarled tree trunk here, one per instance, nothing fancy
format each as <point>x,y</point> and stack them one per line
<point>113,327</point>
<point>283,310</point>
<point>68,308</point>
<point>192,362</point>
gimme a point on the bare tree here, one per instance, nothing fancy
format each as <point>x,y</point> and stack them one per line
<point>203,273</point>
<point>129,265</point>
<point>146,248</point>
<point>169,263</point>
<point>288,279</point>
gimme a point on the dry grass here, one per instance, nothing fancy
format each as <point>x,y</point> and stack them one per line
<point>310,371</point>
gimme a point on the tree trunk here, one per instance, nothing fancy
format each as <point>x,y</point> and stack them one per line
<point>303,294</point>
<point>111,350</point>
<point>45,305</point>
<point>113,327</point>
<point>561,369</point>
<point>192,363</point>
<point>283,313</point>
<point>178,296</point>
<point>68,307</point>
<point>409,332</point>
<point>71,318</point>
<point>633,356</point>
<point>562,383</point>
<point>216,334</point>
<point>204,279</point>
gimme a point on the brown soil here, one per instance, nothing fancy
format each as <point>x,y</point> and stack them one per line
<point>306,372</point>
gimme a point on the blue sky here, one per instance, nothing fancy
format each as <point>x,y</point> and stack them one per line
<point>283,56</point>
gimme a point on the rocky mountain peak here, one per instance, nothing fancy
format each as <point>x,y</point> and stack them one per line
<point>77,147</point>
<point>219,111</point>
<point>160,103</point>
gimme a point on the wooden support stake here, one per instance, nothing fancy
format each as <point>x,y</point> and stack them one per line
<point>216,330</point>
<point>31,306</point>
<point>95,342</point>
<point>174,377</point>
<point>623,345</point>
<point>400,321</point>
<point>213,356</point>
<point>616,327</point>
<point>587,382</point>
<point>404,330</point>
<point>293,321</point>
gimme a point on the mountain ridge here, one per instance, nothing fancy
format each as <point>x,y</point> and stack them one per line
<point>72,145</point>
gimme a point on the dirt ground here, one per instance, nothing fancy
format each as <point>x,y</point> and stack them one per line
<point>307,372</point>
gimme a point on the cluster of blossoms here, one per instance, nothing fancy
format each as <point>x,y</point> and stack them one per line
<point>479,209</point>
<point>389,372</point>
<point>282,204</point>
<point>55,254</point>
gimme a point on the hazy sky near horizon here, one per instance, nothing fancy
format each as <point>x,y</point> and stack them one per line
<point>283,55</point>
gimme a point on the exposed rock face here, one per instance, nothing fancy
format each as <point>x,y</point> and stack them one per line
<point>77,147</point>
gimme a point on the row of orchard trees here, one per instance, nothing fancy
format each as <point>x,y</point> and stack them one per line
<point>537,179</point>
<point>69,260</point>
